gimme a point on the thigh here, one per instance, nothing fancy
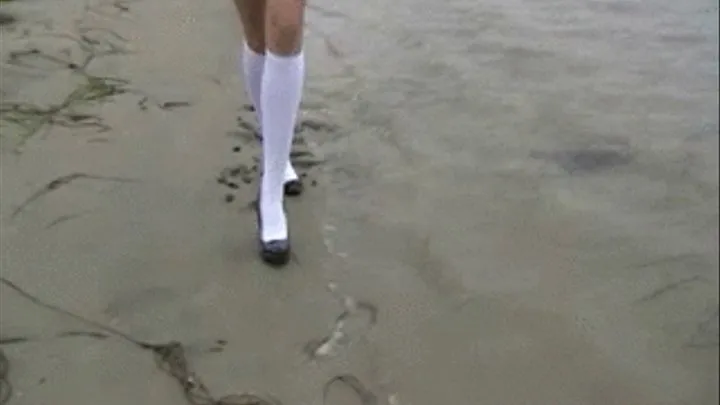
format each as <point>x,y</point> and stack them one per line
<point>252,16</point>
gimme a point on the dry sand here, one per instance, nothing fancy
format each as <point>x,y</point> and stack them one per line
<point>151,247</point>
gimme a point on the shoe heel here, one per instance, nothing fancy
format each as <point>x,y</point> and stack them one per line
<point>293,188</point>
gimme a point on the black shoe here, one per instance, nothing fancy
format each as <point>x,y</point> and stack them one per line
<point>274,252</point>
<point>294,188</point>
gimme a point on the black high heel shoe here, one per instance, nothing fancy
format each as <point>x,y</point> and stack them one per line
<point>293,188</point>
<point>274,252</point>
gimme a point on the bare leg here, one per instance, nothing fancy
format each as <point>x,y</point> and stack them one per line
<point>284,26</point>
<point>252,16</point>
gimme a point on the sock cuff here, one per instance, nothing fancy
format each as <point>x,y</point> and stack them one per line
<point>283,58</point>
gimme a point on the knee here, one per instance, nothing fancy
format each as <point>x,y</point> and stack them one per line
<point>286,39</point>
<point>285,27</point>
<point>256,43</point>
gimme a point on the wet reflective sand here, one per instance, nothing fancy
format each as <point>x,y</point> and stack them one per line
<point>527,191</point>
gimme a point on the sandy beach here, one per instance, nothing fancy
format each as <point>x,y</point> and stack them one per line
<point>518,248</point>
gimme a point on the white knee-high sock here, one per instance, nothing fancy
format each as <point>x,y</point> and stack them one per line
<point>253,68</point>
<point>282,85</point>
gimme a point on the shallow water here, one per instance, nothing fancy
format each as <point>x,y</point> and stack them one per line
<point>555,155</point>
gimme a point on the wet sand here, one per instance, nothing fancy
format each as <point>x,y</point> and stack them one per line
<point>161,256</point>
<point>532,265</point>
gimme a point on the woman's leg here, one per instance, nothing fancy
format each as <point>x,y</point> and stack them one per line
<point>284,34</point>
<point>284,26</point>
<point>281,91</point>
<point>280,99</point>
<point>252,15</point>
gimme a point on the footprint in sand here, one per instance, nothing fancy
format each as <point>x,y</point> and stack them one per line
<point>356,316</point>
<point>248,141</point>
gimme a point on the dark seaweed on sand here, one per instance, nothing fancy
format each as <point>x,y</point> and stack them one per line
<point>170,357</point>
<point>6,19</point>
